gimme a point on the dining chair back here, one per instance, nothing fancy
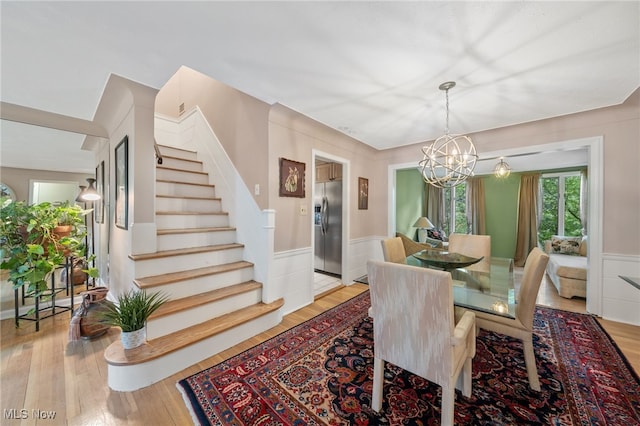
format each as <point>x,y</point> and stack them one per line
<point>393,250</point>
<point>412,247</point>
<point>521,327</point>
<point>414,329</point>
<point>473,246</point>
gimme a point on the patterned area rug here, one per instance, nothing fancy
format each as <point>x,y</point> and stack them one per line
<point>321,373</point>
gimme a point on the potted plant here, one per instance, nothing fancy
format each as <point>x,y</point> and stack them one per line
<point>130,313</point>
<point>32,245</point>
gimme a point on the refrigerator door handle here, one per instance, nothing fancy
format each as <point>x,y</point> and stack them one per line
<point>325,215</point>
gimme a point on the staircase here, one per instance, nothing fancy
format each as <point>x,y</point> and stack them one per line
<point>215,303</point>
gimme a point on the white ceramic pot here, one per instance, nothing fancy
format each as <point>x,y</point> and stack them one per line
<point>133,339</point>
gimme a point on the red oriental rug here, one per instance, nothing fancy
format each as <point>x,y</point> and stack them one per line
<point>321,373</point>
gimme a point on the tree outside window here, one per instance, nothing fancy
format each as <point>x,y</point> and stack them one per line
<point>560,214</point>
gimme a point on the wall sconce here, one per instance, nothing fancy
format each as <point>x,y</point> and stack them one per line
<point>90,194</point>
<point>502,169</point>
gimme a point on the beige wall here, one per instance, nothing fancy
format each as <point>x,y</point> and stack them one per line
<point>239,121</point>
<point>295,136</point>
<point>620,128</point>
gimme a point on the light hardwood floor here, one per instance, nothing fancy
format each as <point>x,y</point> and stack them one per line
<point>43,371</point>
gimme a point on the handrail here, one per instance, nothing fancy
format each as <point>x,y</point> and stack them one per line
<point>158,154</point>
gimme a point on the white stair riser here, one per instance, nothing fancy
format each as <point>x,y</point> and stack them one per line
<point>177,163</point>
<point>194,286</point>
<point>167,324</point>
<point>195,239</point>
<point>184,190</point>
<point>181,176</point>
<point>164,204</point>
<point>180,153</point>
<point>178,221</point>
<point>167,265</point>
<point>132,377</point>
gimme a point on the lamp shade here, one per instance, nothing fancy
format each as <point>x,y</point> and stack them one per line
<point>423,222</point>
<point>90,194</point>
<point>80,197</point>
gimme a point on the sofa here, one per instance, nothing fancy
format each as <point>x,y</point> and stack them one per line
<point>568,265</point>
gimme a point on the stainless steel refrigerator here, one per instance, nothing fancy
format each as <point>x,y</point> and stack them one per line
<point>328,227</point>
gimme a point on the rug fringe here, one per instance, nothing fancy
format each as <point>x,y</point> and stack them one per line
<point>187,402</point>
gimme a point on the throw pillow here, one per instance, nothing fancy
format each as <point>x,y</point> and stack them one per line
<point>565,245</point>
<point>435,234</point>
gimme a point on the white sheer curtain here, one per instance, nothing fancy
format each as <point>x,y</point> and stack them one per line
<point>584,200</point>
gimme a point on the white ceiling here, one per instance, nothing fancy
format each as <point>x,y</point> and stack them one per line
<point>368,69</point>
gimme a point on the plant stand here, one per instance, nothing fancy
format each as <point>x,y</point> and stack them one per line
<point>35,314</point>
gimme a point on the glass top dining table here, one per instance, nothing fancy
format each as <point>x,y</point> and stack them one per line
<point>491,290</point>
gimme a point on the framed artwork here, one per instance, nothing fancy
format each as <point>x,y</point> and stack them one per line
<point>122,189</point>
<point>291,178</point>
<point>98,205</point>
<point>363,193</point>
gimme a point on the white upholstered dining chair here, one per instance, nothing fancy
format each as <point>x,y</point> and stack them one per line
<point>521,327</point>
<point>473,246</point>
<point>414,329</point>
<point>393,250</point>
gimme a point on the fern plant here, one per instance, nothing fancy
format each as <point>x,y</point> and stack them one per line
<point>132,310</point>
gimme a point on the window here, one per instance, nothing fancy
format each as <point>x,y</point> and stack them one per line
<point>455,206</point>
<point>560,209</point>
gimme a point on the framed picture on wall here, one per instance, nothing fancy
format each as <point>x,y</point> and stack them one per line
<point>363,193</point>
<point>98,205</point>
<point>122,188</point>
<point>291,178</point>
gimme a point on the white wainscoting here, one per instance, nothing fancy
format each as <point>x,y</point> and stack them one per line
<point>362,250</point>
<point>292,276</point>
<point>620,300</point>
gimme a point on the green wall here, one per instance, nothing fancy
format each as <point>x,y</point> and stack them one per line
<point>409,200</point>
<point>501,206</point>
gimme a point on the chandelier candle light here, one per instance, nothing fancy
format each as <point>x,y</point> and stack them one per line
<point>450,160</point>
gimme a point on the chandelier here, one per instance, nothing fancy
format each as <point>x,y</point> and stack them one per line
<point>449,160</point>
<point>502,169</point>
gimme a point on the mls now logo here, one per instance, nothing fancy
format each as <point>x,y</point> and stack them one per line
<point>15,414</point>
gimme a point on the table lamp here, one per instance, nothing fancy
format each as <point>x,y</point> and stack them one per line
<point>423,224</point>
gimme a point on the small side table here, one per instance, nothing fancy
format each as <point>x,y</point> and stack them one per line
<point>51,293</point>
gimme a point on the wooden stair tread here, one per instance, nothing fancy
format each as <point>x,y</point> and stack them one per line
<point>185,303</point>
<point>115,354</point>
<point>177,148</point>
<point>173,157</point>
<point>159,166</point>
<point>185,197</point>
<point>189,250</point>
<point>185,183</point>
<point>173,277</point>
<point>194,230</point>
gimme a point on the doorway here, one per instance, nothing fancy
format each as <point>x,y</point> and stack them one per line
<point>592,147</point>
<point>327,223</point>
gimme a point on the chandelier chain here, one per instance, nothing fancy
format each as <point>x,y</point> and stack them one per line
<point>446,128</point>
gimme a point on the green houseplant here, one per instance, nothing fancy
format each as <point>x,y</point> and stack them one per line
<point>130,313</point>
<point>33,241</point>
